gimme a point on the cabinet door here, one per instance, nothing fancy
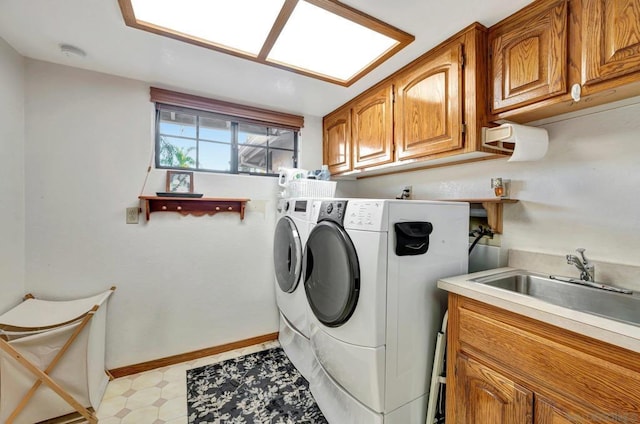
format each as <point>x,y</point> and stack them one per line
<point>372,126</point>
<point>529,56</point>
<point>484,396</point>
<point>611,39</point>
<point>548,412</point>
<point>337,140</point>
<point>428,105</point>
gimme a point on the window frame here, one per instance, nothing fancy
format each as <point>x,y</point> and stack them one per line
<point>204,107</point>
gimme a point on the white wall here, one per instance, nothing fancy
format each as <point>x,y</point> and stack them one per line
<point>12,218</point>
<point>584,193</point>
<point>184,283</point>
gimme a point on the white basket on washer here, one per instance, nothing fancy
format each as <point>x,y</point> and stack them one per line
<point>311,188</point>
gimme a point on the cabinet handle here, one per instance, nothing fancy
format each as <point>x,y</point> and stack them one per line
<point>164,208</point>
<point>230,208</point>
<point>217,208</point>
<point>179,208</point>
<point>576,91</point>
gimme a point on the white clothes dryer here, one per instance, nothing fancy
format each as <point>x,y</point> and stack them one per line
<point>370,277</point>
<point>291,233</point>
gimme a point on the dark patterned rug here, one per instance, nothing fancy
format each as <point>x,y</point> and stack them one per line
<point>261,388</point>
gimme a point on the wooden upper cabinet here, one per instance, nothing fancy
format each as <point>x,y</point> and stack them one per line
<point>528,55</point>
<point>337,140</point>
<point>428,104</point>
<point>485,396</point>
<point>558,56</point>
<point>372,128</point>
<point>610,39</point>
<point>426,114</point>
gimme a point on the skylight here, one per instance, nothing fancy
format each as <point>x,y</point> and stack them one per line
<point>319,38</point>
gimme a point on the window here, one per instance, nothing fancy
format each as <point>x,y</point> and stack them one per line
<point>207,141</point>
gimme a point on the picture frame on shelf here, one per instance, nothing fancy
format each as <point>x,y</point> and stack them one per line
<point>179,182</point>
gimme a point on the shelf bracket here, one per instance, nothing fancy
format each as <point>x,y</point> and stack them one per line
<point>493,207</point>
<point>494,216</point>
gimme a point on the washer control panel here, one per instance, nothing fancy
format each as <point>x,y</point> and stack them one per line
<point>332,210</point>
<point>299,210</point>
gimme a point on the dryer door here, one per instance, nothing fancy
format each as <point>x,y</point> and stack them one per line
<point>287,254</point>
<point>332,274</point>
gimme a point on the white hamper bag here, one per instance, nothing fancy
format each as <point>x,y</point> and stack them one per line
<point>52,359</point>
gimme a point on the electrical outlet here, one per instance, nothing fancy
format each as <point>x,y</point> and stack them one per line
<point>132,215</point>
<point>407,192</point>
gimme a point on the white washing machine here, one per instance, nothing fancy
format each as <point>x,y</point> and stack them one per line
<point>370,277</point>
<point>290,237</point>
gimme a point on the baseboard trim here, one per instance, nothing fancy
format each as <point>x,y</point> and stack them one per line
<point>190,356</point>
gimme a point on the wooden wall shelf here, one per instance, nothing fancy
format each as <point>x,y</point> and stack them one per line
<point>493,206</point>
<point>193,206</point>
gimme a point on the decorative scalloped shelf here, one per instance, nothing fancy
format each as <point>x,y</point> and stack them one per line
<point>193,206</point>
<point>493,206</point>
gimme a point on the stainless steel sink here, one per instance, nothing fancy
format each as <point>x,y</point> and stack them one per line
<point>610,304</point>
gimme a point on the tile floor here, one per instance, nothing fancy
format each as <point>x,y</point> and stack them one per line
<point>158,396</point>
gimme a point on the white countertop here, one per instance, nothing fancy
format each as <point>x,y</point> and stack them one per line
<point>608,330</point>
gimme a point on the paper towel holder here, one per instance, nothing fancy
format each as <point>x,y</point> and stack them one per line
<point>509,138</point>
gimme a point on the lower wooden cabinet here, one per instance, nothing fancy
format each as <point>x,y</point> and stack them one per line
<point>485,396</point>
<point>507,368</point>
<point>552,412</point>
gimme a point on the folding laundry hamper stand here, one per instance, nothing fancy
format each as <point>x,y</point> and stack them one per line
<point>58,344</point>
<point>435,404</point>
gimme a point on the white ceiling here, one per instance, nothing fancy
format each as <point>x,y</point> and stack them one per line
<point>36,28</point>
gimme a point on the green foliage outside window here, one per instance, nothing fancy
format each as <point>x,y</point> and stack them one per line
<point>175,157</point>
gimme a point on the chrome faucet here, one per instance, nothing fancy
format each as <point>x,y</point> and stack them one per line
<point>587,269</point>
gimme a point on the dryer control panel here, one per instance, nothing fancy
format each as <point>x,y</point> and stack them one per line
<point>365,215</point>
<point>332,210</point>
